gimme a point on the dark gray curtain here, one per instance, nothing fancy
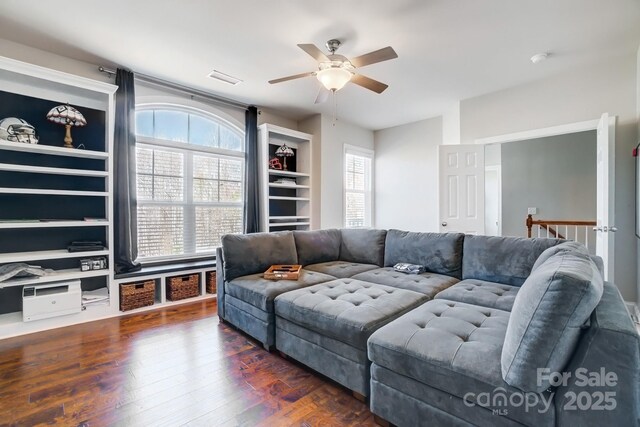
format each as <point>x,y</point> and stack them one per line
<point>251,194</point>
<point>124,175</point>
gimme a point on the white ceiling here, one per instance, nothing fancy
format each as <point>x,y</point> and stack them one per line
<point>448,49</point>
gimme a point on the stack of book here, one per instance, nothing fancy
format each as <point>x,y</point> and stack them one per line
<point>99,296</point>
<point>86,246</point>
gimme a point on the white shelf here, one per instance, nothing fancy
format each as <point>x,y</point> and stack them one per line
<point>287,224</point>
<point>55,151</point>
<point>28,80</point>
<point>48,192</point>
<point>302,187</point>
<point>53,224</point>
<point>11,324</point>
<point>42,255</point>
<point>287,173</point>
<point>284,218</point>
<point>53,171</point>
<point>299,199</point>
<point>58,276</point>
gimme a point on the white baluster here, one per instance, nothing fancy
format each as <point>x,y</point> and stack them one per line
<point>548,227</point>
<point>586,237</point>
<point>576,234</point>
<point>538,231</point>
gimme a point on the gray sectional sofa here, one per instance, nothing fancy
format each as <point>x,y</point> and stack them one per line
<point>483,337</point>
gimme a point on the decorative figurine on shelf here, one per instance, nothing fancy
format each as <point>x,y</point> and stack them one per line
<point>285,151</point>
<point>68,116</point>
<point>275,164</point>
<point>14,129</point>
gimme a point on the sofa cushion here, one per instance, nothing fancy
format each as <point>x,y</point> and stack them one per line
<point>347,310</point>
<point>254,289</point>
<point>427,283</point>
<point>480,292</point>
<point>565,247</point>
<point>437,252</point>
<point>506,260</point>
<point>341,269</point>
<point>451,346</point>
<point>317,246</point>
<point>364,246</point>
<point>254,253</point>
<point>547,317</point>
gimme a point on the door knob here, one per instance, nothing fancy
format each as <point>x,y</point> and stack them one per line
<point>613,229</point>
<point>444,223</point>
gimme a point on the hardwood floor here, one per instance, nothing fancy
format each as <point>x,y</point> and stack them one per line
<point>170,367</point>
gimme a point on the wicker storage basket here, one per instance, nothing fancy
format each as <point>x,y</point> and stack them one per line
<point>211,282</point>
<point>136,295</point>
<point>182,287</point>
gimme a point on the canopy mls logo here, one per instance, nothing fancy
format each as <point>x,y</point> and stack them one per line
<point>598,397</point>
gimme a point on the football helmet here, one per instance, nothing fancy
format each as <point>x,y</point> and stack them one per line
<point>17,130</point>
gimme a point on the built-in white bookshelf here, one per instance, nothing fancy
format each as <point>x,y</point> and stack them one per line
<point>286,194</point>
<point>52,195</point>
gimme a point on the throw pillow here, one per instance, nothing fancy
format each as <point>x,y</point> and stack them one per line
<point>565,247</point>
<point>545,324</point>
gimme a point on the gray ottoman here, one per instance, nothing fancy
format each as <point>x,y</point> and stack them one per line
<point>327,326</point>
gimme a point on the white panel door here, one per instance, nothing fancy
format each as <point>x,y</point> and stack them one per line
<point>605,202</point>
<point>461,174</point>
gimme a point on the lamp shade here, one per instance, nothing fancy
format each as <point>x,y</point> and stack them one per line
<point>284,151</point>
<point>66,115</point>
<point>334,78</point>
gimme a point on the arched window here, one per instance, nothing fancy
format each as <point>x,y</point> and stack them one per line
<point>190,181</point>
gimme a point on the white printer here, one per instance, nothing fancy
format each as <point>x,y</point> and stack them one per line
<point>51,300</point>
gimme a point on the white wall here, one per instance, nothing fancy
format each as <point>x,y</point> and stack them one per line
<point>451,125</point>
<point>313,125</point>
<point>406,176</point>
<point>268,116</point>
<point>42,58</point>
<point>334,135</point>
<point>579,95</point>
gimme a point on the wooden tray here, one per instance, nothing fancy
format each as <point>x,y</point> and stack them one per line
<point>283,272</point>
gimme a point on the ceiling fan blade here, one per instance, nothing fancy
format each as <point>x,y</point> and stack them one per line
<point>384,54</point>
<point>368,83</point>
<point>323,95</point>
<point>314,51</point>
<point>295,76</point>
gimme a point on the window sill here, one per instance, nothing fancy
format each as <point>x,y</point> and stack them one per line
<point>150,270</point>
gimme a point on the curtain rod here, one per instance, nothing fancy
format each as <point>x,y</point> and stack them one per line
<point>180,88</point>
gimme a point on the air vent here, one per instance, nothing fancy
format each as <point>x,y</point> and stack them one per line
<point>226,78</point>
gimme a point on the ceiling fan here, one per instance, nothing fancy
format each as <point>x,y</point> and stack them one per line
<point>335,71</point>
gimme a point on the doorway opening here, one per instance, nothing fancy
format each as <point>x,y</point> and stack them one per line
<point>552,178</point>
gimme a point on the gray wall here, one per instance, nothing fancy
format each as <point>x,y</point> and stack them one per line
<point>557,175</point>
<point>577,95</point>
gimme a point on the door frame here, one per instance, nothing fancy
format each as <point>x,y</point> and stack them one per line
<point>498,169</point>
<point>588,125</point>
<point>543,132</point>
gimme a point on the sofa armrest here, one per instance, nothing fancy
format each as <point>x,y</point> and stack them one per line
<point>603,382</point>
<point>220,282</point>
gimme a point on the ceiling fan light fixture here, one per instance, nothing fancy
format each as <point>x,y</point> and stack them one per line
<point>334,78</point>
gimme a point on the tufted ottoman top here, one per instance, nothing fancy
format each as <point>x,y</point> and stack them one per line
<point>480,292</point>
<point>427,283</point>
<point>346,309</point>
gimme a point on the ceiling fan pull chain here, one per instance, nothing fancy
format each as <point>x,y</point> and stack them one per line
<point>335,107</point>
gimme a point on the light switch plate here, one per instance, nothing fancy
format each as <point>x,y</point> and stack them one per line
<point>532,211</point>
